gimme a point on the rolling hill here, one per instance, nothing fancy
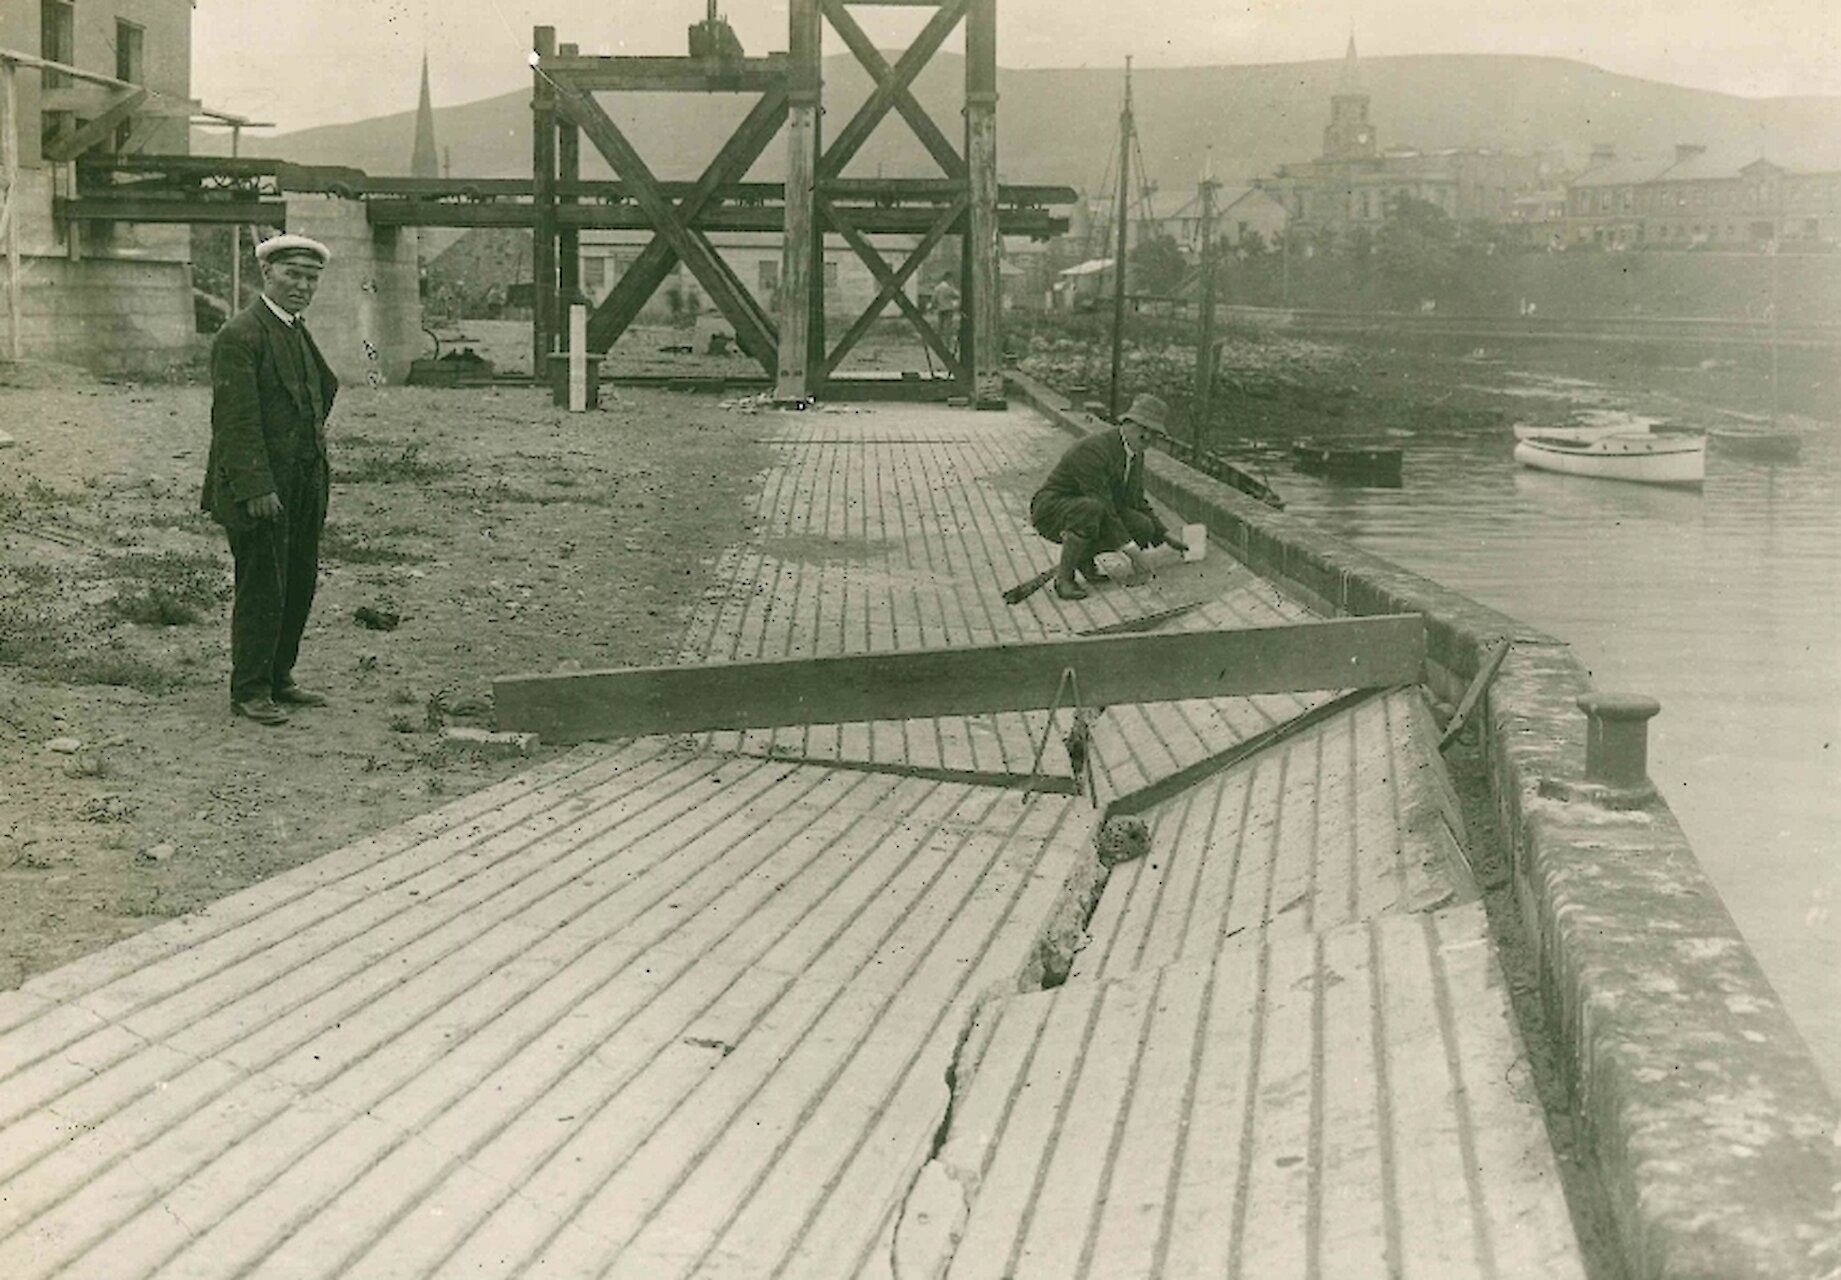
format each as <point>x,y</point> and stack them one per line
<point>1058,125</point>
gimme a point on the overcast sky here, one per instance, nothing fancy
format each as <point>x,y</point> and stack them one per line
<point>324,61</point>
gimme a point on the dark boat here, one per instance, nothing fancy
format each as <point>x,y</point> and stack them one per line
<point>1377,466</point>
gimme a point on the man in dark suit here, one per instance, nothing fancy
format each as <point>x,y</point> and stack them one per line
<point>1094,501</point>
<point>267,481</point>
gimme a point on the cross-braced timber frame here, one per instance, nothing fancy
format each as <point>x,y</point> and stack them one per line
<point>564,109</point>
<point>817,196</point>
<point>814,172</point>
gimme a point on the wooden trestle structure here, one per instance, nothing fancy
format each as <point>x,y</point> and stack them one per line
<point>816,200</point>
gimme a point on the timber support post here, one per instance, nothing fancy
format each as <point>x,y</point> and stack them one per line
<point>984,303</point>
<point>11,203</point>
<point>543,197</point>
<point>800,283</point>
<point>568,237</point>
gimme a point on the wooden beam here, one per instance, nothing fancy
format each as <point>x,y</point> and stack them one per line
<point>869,219</point>
<point>10,210</point>
<point>794,357</point>
<point>892,89</point>
<point>543,198</point>
<point>696,252</point>
<point>666,74</point>
<point>249,213</point>
<point>892,284</point>
<point>70,142</point>
<point>1344,653</point>
<point>568,238</point>
<point>642,279</point>
<point>1466,707</point>
<point>984,300</point>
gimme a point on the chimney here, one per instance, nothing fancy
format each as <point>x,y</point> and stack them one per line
<point>1603,153</point>
<point>1685,151</point>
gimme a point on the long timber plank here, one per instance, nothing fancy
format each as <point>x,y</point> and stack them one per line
<point>1341,653</point>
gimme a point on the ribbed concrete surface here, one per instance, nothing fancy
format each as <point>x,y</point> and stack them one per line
<point>1346,821</point>
<point>664,1014</point>
<point>900,530</point>
<point>675,1010</point>
<point>1346,1104</point>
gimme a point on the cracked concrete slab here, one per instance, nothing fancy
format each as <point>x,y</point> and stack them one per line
<point>695,1015</point>
<point>1349,1103</point>
<point>1348,820</point>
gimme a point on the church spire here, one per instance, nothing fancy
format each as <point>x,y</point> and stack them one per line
<point>425,161</point>
<point>1351,80</point>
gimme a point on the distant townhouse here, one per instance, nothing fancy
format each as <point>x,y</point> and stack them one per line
<point>1239,213</point>
<point>1730,198</point>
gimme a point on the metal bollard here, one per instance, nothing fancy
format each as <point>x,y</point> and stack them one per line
<point>1617,738</point>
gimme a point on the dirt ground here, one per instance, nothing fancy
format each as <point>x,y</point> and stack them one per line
<point>505,534</point>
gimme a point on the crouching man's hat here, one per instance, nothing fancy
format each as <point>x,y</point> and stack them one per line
<point>293,249</point>
<point>1147,410</point>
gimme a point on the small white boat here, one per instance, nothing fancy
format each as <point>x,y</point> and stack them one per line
<point>1593,424</point>
<point>1641,457</point>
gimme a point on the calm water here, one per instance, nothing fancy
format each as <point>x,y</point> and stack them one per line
<point>1725,605</point>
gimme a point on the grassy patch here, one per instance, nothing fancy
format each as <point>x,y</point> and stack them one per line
<point>408,466</point>
<point>347,546</point>
<point>167,588</point>
<point>112,666</point>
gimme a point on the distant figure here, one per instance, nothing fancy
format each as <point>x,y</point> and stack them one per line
<point>946,313</point>
<point>1093,501</point>
<point>266,480</point>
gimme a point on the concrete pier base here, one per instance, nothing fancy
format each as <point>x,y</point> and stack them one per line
<point>367,316</point>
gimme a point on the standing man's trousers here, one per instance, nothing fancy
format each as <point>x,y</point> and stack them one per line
<point>277,569</point>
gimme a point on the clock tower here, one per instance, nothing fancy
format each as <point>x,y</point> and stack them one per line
<point>1349,135</point>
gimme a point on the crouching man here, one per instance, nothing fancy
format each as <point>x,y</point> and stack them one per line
<point>267,481</point>
<point>1093,501</point>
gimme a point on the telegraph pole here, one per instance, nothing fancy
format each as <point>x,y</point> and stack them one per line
<point>1205,350</point>
<point>1118,264</point>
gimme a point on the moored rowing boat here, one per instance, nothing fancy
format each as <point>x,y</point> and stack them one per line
<point>1639,457</point>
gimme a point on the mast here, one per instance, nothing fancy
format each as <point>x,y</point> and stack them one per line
<point>1118,263</point>
<point>1205,349</point>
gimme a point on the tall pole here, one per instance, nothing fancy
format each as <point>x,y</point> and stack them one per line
<point>795,363</point>
<point>568,239</point>
<point>1118,264</point>
<point>1205,351</point>
<point>9,211</point>
<point>984,304</point>
<point>236,236</point>
<point>543,197</point>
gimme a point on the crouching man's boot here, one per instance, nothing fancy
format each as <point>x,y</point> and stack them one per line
<point>1073,552</point>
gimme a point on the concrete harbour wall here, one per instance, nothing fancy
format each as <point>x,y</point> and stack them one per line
<point>1714,1132</point>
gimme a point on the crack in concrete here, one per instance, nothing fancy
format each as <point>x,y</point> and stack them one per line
<point>931,1215</point>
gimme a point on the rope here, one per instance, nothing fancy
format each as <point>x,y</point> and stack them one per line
<point>1081,768</point>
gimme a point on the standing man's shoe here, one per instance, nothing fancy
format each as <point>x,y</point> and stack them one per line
<point>292,695</point>
<point>1092,572</point>
<point>261,710</point>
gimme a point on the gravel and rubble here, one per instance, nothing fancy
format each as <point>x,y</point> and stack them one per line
<point>502,534</point>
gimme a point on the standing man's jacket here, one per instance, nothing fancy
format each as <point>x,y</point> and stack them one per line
<point>253,434</point>
<point>1096,468</point>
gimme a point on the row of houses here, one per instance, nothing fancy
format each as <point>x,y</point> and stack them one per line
<point>1699,197</point>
